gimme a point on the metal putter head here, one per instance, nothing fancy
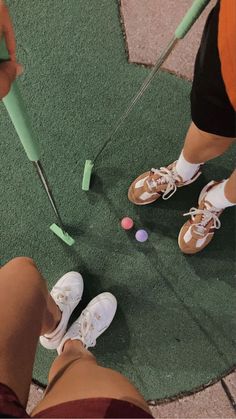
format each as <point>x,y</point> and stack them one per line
<point>62,234</point>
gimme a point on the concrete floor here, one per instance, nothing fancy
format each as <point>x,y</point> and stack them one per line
<point>148,26</point>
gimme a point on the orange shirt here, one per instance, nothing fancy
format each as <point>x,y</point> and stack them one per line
<point>227,47</point>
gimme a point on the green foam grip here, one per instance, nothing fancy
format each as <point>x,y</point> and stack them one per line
<point>19,117</point>
<point>16,109</point>
<point>62,235</point>
<point>191,16</point>
<point>87,175</point>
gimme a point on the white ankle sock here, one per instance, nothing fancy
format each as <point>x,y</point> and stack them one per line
<point>185,169</point>
<point>216,196</point>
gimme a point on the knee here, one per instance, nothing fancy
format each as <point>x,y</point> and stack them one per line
<point>22,267</point>
<point>68,359</point>
<point>23,270</point>
<point>21,262</point>
<point>74,350</point>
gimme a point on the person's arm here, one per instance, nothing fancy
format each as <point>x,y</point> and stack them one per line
<point>7,76</point>
<point>8,31</point>
<point>8,69</point>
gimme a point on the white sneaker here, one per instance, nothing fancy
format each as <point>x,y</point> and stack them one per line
<point>92,322</point>
<point>67,294</point>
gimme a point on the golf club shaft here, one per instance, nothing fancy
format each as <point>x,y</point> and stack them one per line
<point>48,191</point>
<point>19,117</point>
<point>185,25</point>
<point>141,91</point>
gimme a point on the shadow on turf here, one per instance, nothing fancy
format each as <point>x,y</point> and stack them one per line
<point>112,348</point>
<point>213,326</point>
<point>164,218</point>
<point>208,263</point>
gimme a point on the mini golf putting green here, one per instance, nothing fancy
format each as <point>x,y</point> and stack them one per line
<point>175,326</point>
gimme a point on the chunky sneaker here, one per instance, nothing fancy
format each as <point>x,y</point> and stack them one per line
<point>67,294</point>
<point>157,183</point>
<point>197,232</point>
<point>93,321</point>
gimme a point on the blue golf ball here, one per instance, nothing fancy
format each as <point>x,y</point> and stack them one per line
<point>141,236</point>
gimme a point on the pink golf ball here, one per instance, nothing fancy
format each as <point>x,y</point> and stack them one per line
<point>141,236</point>
<point>127,223</point>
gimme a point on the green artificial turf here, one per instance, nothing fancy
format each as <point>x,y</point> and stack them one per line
<point>175,329</point>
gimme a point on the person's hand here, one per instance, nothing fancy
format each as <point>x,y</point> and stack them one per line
<point>10,69</point>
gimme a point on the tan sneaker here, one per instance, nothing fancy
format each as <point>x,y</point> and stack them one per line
<point>157,183</point>
<point>197,232</point>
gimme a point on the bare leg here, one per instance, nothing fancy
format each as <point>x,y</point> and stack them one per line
<point>230,188</point>
<point>28,310</point>
<point>75,375</point>
<point>200,146</point>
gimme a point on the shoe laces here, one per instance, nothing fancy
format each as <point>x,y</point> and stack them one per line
<point>88,326</point>
<point>207,215</point>
<point>63,295</point>
<point>167,177</point>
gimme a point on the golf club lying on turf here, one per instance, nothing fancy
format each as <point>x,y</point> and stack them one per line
<point>18,114</point>
<point>190,17</point>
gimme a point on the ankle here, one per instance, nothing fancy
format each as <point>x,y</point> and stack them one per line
<point>76,350</point>
<point>230,189</point>
<point>51,321</point>
<point>57,318</point>
<point>217,196</point>
<point>185,169</point>
<point>74,345</point>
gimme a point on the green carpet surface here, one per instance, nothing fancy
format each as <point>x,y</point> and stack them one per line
<point>175,328</point>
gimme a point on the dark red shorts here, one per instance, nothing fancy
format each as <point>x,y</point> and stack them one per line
<point>10,407</point>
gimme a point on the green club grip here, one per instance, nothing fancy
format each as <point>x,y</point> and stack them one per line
<point>191,16</point>
<point>19,117</point>
<point>16,109</point>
